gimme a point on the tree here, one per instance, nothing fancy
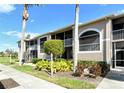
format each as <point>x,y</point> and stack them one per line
<point>8,52</point>
<point>2,53</point>
<point>75,36</point>
<point>55,48</point>
<point>25,18</point>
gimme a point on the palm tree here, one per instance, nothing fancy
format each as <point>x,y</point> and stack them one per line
<point>25,18</point>
<point>75,36</point>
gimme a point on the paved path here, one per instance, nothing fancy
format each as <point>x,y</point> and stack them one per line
<point>113,80</point>
<point>26,81</point>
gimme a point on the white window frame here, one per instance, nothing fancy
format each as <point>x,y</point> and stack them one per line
<point>101,43</point>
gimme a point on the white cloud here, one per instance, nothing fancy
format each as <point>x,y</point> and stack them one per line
<point>32,20</point>
<point>12,33</point>
<point>119,12</point>
<point>6,8</point>
<point>18,34</point>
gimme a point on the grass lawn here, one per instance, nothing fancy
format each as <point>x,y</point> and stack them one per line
<point>6,60</point>
<point>62,81</point>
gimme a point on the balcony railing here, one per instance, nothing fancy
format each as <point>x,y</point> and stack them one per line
<point>89,47</point>
<point>33,47</point>
<point>68,42</point>
<point>118,34</point>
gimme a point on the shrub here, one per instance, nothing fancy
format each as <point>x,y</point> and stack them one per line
<point>42,65</point>
<point>62,66</point>
<point>97,68</point>
<point>58,66</point>
<point>104,68</point>
<point>60,59</point>
<point>35,60</point>
<point>56,47</point>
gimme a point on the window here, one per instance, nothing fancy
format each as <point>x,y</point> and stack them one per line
<point>42,40</point>
<point>89,41</point>
<point>33,42</point>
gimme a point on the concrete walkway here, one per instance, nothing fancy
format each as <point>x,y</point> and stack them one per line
<point>25,81</point>
<point>113,80</point>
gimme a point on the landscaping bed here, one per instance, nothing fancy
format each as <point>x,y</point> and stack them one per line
<point>63,68</point>
<point>94,81</point>
<point>64,81</point>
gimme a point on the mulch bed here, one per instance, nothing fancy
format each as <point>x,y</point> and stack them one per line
<point>94,81</point>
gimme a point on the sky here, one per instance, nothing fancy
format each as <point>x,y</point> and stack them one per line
<point>46,18</point>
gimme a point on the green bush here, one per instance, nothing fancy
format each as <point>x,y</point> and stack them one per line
<point>60,59</point>
<point>58,66</point>
<point>42,65</point>
<point>87,63</point>
<point>56,47</point>
<point>35,60</point>
<point>62,66</point>
<point>99,68</point>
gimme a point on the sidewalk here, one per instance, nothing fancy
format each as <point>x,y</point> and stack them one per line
<point>25,81</point>
<point>113,80</point>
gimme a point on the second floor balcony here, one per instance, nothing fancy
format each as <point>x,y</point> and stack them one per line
<point>68,42</point>
<point>118,34</point>
<point>33,47</point>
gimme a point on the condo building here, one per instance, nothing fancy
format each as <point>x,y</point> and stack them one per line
<point>99,40</point>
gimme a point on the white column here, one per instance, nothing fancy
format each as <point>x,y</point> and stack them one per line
<point>109,41</point>
<point>75,38</point>
<point>38,47</point>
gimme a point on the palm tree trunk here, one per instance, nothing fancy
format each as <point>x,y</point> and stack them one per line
<point>76,40</point>
<point>22,41</point>
<point>25,18</point>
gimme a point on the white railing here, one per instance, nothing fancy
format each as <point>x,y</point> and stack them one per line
<point>68,42</point>
<point>89,47</point>
<point>33,47</point>
<point>118,34</point>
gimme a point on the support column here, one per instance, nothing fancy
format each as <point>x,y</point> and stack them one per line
<point>38,47</point>
<point>109,42</point>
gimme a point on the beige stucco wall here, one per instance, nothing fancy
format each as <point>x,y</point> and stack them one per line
<point>100,55</point>
<point>91,56</point>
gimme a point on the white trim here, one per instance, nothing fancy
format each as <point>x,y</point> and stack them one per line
<point>101,40</point>
<point>90,52</point>
<point>89,29</point>
<point>38,45</point>
<point>43,37</point>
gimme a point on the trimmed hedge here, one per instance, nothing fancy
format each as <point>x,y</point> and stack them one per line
<point>58,66</point>
<point>97,68</point>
